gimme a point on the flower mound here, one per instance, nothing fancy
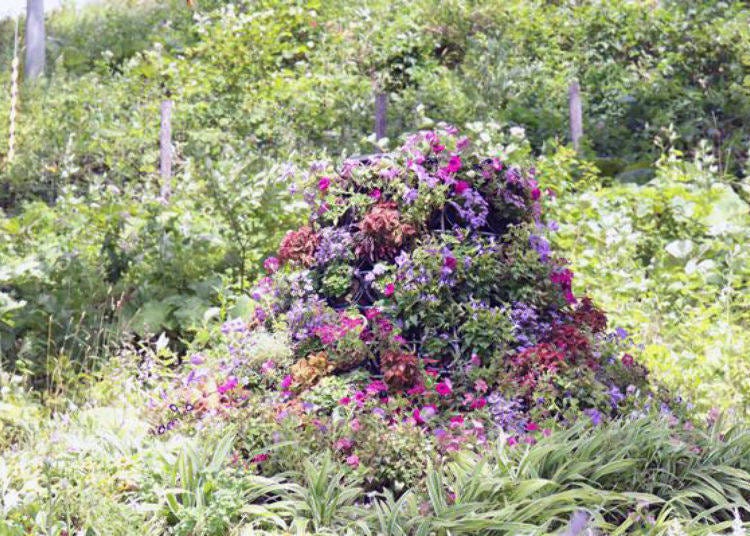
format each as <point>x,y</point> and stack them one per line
<point>430,268</point>
<point>426,311</point>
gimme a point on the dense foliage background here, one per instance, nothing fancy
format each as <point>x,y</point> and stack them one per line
<point>96,263</point>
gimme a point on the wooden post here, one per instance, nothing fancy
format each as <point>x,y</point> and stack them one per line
<point>576,115</point>
<point>381,114</point>
<point>13,97</point>
<point>165,148</point>
<point>35,40</point>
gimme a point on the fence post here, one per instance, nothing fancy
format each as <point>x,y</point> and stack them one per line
<point>35,39</point>
<point>381,114</point>
<point>13,97</point>
<point>165,148</point>
<point>576,114</point>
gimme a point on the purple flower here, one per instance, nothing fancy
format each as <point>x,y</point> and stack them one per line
<point>615,395</point>
<point>595,416</point>
<point>507,413</point>
<point>271,264</point>
<point>410,196</point>
<point>333,244</point>
<point>541,246</point>
<point>228,385</point>
<point>235,325</point>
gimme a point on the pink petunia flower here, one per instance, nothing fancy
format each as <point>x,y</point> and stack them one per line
<point>352,461</point>
<point>444,388</point>
<point>323,184</point>
<point>479,403</point>
<point>416,390</point>
<point>456,421</point>
<point>286,382</point>
<point>460,187</point>
<point>532,426</point>
<point>454,164</point>
<point>228,385</point>
<point>389,290</point>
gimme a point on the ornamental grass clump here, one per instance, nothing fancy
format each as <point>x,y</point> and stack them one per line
<point>430,269</point>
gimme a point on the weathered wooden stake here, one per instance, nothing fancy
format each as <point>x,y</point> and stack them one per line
<point>576,115</point>
<point>13,98</point>
<point>381,115</point>
<point>165,148</point>
<point>35,40</point>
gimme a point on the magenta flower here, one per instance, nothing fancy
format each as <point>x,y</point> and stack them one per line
<point>345,401</point>
<point>444,388</point>
<point>417,416</point>
<point>389,290</point>
<point>286,382</point>
<point>532,426</point>
<point>228,385</point>
<point>512,441</point>
<point>375,194</point>
<point>479,403</point>
<point>344,444</point>
<point>323,184</point>
<point>259,458</point>
<point>271,264</point>
<point>450,262</point>
<point>267,367</point>
<point>454,164</point>
<point>460,187</point>
<point>375,387</point>
<point>628,360</point>
<point>416,390</point>
<point>352,461</point>
<point>536,193</point>
<point>457,421</point>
